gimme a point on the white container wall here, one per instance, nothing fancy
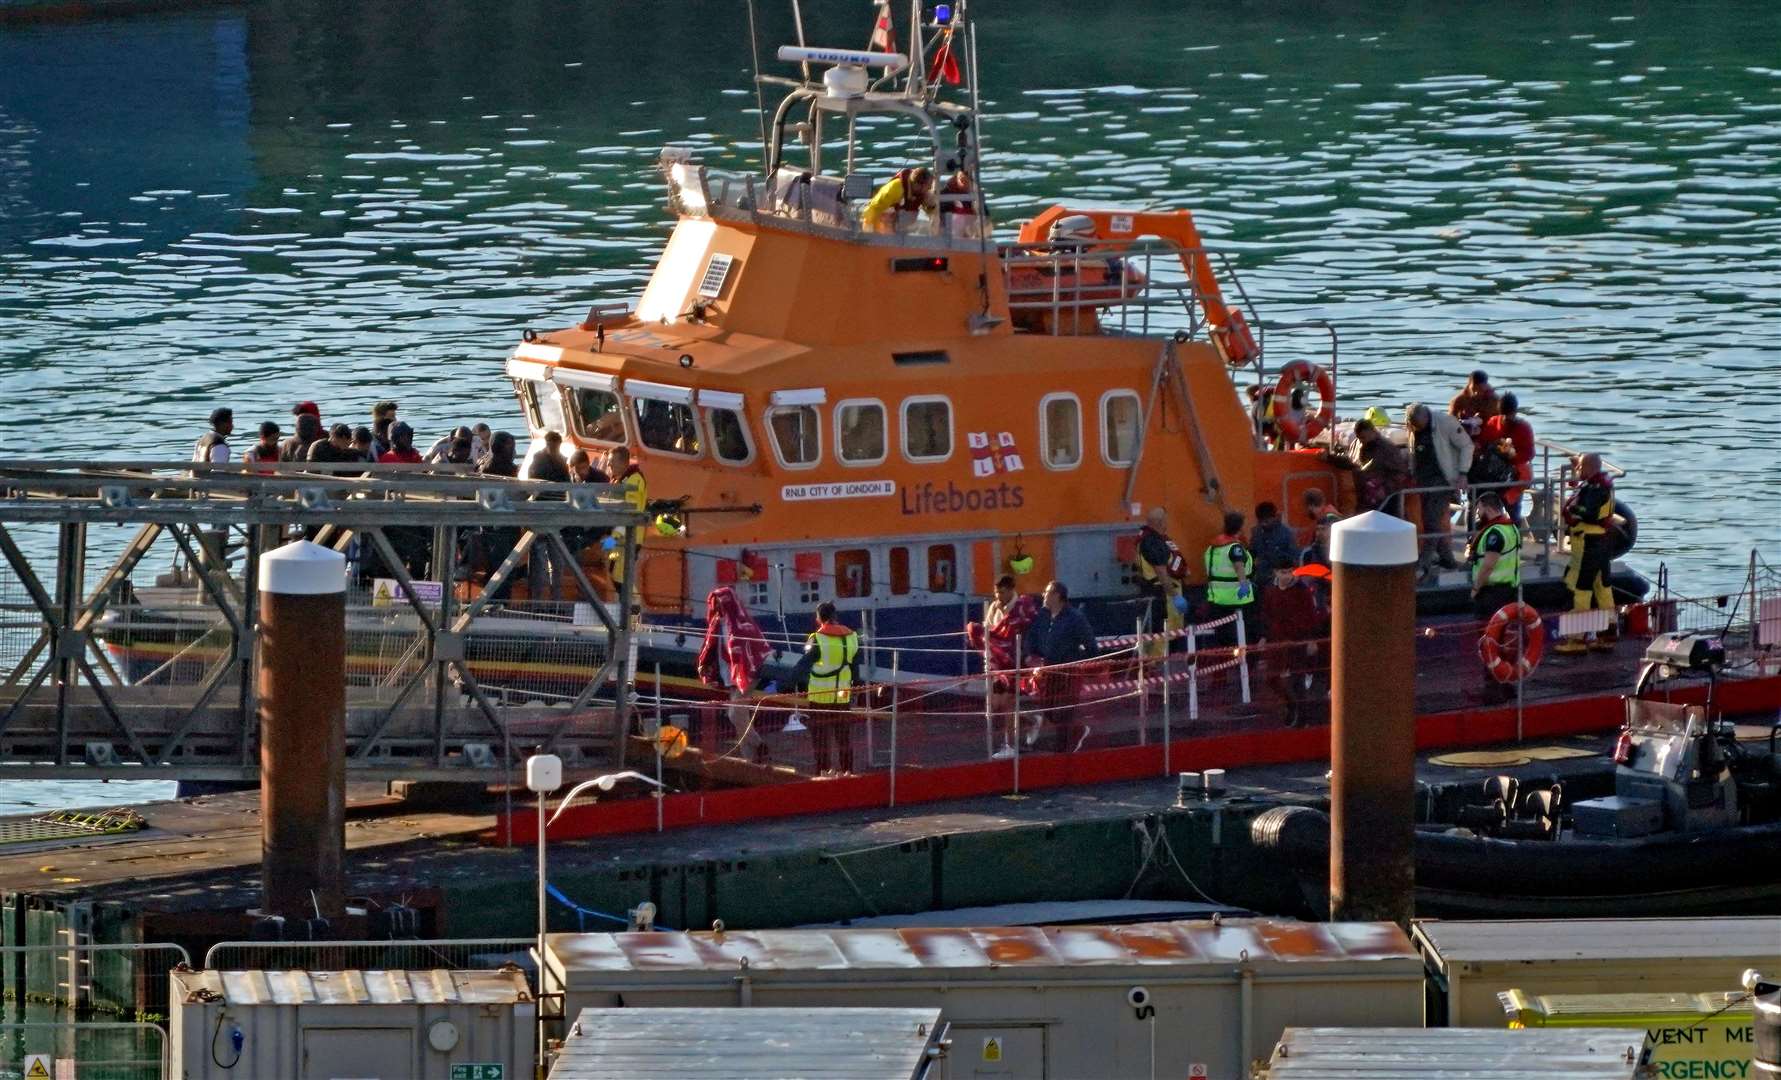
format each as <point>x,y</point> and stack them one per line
<point>367,1025</point>
<point>1033,1002</point>
<point>1470,962</point>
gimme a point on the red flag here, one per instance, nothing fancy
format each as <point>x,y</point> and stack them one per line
<point>884,38</point>
<point>945,66</point>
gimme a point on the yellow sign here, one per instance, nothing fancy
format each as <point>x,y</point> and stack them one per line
<point>992,1049</point>
<point>37,1067</point>
<point>671,741</point>
<point>1692,1036</point>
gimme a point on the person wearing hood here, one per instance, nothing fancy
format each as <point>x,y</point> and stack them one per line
<point>1440,455</point>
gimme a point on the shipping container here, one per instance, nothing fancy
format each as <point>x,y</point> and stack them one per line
<point>1459,1054</point>
<point>1157,999</point>
<point>367,1025</point>
<point>1693,1036</point>
<point>753,1044</point>
<point>1470,962</point>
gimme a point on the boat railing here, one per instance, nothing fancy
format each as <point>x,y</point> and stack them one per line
<point>1070,289</point>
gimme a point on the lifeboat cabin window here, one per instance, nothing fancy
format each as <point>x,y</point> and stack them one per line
<point>797,435</point>
<point>859,432</point>
<point>664,417</point>
<point>544,409</point>
<point>729,432</point>
<point>899,571</point>
<point>1060,430</point>
<point>943,568</point>
<point>853,573</point>
<point>927,428</point>
<point>598,415</point>
<point>1119,427</point>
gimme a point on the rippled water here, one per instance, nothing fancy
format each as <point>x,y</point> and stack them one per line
<point>309,199</point>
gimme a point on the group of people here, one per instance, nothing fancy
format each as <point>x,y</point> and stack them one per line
<point>388,440</point>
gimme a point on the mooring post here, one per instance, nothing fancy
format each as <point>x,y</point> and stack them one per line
<point>1373,723</point>
<point>302,694</point>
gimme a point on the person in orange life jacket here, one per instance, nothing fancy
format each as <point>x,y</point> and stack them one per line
<point>213,445</point>
<point>1587,515</point>
<point>1162,571</point>
<point>1228,587</point>
<point>830,668</point>
<point>908,192</point>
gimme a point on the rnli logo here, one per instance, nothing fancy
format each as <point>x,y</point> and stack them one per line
<point>989,457</point>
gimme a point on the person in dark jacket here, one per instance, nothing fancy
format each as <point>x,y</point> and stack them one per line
<point>544,571</point>
<point>309,432</point>
<point>1060,634</point>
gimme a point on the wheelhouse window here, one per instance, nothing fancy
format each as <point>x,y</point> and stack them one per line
<point>927,429</point>
<point>544,408</point>
<point>859,432</point>
<point>1060,430</point>
<point>729,436</point>
<point>1120,423</point>
<point>599,415</point>
<point>797,435</point>
<point>666,426</point>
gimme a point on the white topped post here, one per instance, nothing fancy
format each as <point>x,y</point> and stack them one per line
<point>302,689</point>
<point>1373,719</point>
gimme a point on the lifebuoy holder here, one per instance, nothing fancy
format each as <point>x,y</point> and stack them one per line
<point>1512,643</point>
<point>1236,340</point>
<point>1292,376</point>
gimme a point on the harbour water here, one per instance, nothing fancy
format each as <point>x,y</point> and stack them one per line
<point>313,200</point>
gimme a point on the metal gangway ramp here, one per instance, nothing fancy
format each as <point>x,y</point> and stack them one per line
<point>148,669</point>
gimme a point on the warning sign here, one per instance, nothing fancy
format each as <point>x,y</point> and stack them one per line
<point>37,1067</point>
<point>992,1049</point>
<point>385,592</point>
<point>1196,1071</point>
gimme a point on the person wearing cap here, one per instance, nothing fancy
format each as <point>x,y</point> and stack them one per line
<point>907,193</point>
<point>213,445</point>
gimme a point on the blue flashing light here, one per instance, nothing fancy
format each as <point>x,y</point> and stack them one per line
<point>942,13</point>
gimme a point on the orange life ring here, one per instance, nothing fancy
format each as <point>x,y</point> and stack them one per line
<point>1518,661</point>
<point>1236,340</point>
<point>1303,371</point>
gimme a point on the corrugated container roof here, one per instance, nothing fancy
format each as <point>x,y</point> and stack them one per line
<point>1472,1053</point>
<point>746,1044</point>
<point>437,987</point>
<point>1199,943</point>
<point>1465,940</point>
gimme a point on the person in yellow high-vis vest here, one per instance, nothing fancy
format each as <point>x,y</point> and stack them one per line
<point>625,473</point>
<point>830,667</point>
<point>1494,555</point>
<point>1228,588</point>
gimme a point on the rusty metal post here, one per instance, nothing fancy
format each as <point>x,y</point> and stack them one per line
<point>1373,719</point>
<point>302,692</point>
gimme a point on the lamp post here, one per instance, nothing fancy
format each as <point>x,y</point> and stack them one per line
<point>544,774</point>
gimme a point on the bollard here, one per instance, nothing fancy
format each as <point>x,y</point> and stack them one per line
<point>1373,722</point>
<point>302,690</point>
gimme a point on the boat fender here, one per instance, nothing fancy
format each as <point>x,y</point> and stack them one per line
<point>1291,376</point>
<point>1518,663</point>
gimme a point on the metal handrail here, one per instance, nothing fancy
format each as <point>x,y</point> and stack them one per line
<point>509,944</point>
